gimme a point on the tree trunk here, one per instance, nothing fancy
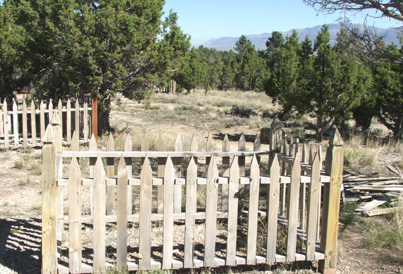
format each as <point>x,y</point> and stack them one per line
<point>103,116</point>
<point>323,127</point>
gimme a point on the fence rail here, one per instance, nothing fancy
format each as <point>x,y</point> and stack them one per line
<point>24,124</point>
<point>256,195</point>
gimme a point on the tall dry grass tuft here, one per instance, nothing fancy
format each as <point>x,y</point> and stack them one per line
<point>387,232</point>
<point>356,155</point>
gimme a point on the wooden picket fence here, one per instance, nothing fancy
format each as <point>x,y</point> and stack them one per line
<point>252,194</point>
<point>19,122</point>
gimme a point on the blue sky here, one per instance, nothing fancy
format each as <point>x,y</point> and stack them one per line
<point>207,19</point>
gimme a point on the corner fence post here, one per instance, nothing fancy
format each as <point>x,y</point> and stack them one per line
<point>49,245</point>
<point>331,205</point>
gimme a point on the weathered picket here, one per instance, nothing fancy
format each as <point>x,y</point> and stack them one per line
<point>228,172</point>
<point>19,123</point>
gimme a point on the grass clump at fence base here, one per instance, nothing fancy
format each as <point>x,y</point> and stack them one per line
<point>387,232</point>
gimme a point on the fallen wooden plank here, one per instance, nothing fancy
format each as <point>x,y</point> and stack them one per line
<point>370,205</point>
<point>379,211</point>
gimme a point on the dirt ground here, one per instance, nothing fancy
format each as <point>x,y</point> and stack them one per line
<point>20,209</point>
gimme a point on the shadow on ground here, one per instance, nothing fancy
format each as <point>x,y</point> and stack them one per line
<point>20,245</point>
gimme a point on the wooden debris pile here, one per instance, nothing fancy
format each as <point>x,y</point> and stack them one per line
<point>376,196</point>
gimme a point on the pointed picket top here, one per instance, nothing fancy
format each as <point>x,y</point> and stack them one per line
<point>242,143</point>
<point>275,166</point>
<point>225,144</point>
<point>24,105</point>
<point>178,142</point>
<point>336,139</point>
<point>128,143</point>
<point>99,168</point>
<point>74,142</point>
<point>4,102</point>
<point>212,171</point>
<point>49,137</point>
<point>68,102</point>
<point>146,168</point>
<point>93,146</point>
<point>296,165</point>
<point>55,118</point>
<point>122,166</point>
<point>42,104</point>
<point>74,167</point>
<point>14,104</point>
<point>210,144</point>
<point>234,169</point>
<point>33,107</point>
<point>60,108</point>
<point>161,144</point>
<point>254,166</point>
<point>169,166</point>
<point>257,145</point>
<point>110,144</point>
<point>192,167</point>
<point>144,143</point>
<point>194,144</point>
<point>276,124</point>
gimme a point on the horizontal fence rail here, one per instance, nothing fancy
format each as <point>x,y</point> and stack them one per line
<point>24,124</point>
<point>176,209</point>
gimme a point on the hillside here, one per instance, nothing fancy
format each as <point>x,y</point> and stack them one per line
<point>259,40</point>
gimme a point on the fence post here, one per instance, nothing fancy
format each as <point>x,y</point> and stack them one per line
<point>49,247</point>
<point>331,205</point>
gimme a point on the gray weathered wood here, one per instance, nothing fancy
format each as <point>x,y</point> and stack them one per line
<point>49,247</point>
<point>161,170</point>
<point>6,125</point>
<point>191,204</point>
<point>178,188</point>
<point>68,122</point>
<point>232,212</point>
<point>273,196</point>
<point>253,211</point>
<point>24,124</point>
<point>209,148</point>
<point>241,159</point>
<point>60,112</point>
<point>129,167</point>
<point>33,123</point>
<point>110,172</point>
<point>42,118</point>
<point>225,173</point>
<point>75,254</point>
<point>99,216</point>
<point>15,124</point>
<point>292,210</point>
<point>121,243</point>
<point>50,110</point>
<point>77,116</point>
<point>313,207</point>
<point>169,178</point>
<point>92,147</point>
<point>85,121</point>
<point>145,215</point>
<point>211,214</point>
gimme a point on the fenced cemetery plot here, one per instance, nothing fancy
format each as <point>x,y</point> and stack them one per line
<point>24,124</point>
<point>187,209</point>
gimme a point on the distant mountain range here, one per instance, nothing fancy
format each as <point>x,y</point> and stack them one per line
<point>259,40</point>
